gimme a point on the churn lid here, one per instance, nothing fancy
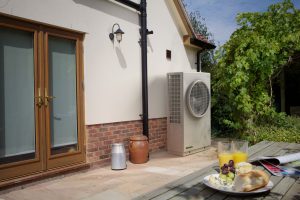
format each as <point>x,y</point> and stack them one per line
<point>117,144</point>
<point>138,138</point>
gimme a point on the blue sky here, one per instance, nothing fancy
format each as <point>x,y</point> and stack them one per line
<point>220,14</point>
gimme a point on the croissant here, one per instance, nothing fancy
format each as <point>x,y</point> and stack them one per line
<point>249,181</point>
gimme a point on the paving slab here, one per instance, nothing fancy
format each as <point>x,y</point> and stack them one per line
<point>104,183</point>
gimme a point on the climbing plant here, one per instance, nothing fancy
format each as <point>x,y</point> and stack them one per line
<point>248,63</point>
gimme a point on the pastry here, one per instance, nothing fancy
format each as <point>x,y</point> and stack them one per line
<point>243,167</point>
<point>251,180</point>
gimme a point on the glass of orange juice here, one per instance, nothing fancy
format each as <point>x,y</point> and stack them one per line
<point>224,152</point>
<point>240,151</point>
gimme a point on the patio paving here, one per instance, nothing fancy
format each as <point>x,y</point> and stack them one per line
<point>104,183</point>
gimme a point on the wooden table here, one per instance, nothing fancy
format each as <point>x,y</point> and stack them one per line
<point>191,186</point>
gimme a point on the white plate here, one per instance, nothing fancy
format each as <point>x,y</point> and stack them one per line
<point>229,190</point>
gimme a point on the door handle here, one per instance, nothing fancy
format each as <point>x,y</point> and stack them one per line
<point>39,102</point>
<point>39,99</point>
<point>48,98</point>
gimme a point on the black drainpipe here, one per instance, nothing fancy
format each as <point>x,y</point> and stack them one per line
<point>144,32</point>
<point>142,8</point>
<point>199,62</point>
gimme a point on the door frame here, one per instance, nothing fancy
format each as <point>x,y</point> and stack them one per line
<point>43,162</point>
<point>64,159</point>
<point>31,165</point>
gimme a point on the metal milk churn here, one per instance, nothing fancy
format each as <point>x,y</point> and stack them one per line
<point>118,156</point>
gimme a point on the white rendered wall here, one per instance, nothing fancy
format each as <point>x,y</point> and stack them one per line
<point>113,90</point>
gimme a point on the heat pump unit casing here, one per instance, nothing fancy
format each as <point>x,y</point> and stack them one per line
<point>189,112</point>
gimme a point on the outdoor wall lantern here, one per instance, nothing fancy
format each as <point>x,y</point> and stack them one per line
<point>118,33</point>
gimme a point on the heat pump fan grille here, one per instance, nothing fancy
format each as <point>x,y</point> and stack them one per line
<point>198,98</point>
<point>174,82</point>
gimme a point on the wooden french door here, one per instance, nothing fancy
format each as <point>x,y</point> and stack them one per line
<point>41,98</point>
<point>62,100</point>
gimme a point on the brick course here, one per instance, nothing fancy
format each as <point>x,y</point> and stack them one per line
<point>100,137</point>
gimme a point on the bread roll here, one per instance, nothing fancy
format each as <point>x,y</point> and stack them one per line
<point>243,167</point>
<point>250,181</point>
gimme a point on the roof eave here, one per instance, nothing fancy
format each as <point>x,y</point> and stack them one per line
<point>192,41</point>
<point>201,43</point>
<point>196,43</point>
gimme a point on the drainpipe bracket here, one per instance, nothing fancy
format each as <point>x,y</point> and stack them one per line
<point>141,116</point>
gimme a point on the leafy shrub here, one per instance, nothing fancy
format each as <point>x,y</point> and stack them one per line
<point>295,121</point>
<point>247,65</point>
<point>273,133</point>
<point>289,132</point>
<point>283,129</point>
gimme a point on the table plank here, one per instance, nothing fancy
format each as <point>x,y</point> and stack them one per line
<point>281,188</point>
<point>182,184</point>
<point>194,193</point>
<point>285,148</point>
<point>185,186</point>
<point>274,149</point>
<point>287,185</point>
<point>218,196</point>
<point>191,186</point>
<point>294,192</point>
<point>269,151</point>
<point>175,188</point>
<point>271,147</point>
<point>280,149</point>
<point>202,193</point>
<point>259,147</point>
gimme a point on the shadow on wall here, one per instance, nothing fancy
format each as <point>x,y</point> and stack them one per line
<point>116,11</point>
<point>121,58</point>
<point>191,54</point>
<point>112,9</point>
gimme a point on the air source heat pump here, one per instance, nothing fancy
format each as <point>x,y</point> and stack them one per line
<point>189,118</point>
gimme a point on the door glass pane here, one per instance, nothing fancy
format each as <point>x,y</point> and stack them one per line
<point>17,125</point>
<point>62,86</point>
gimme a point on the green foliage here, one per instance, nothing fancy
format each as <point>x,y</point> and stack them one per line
<point>273,133</point>
<point>256,52</point>
<point>289,133</point>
